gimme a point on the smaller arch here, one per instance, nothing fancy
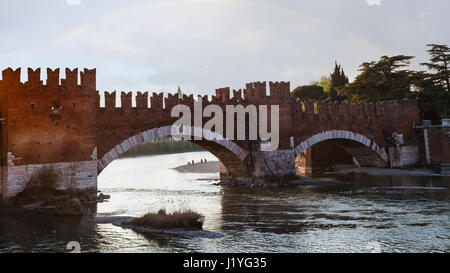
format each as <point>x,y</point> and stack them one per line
<point>166,131</point>
<point>342,134</point>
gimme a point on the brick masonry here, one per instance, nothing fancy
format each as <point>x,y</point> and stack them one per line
<point>62,121</point>
<point>435,148</point>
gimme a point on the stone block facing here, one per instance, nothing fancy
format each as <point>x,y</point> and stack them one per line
<point>15,178</point>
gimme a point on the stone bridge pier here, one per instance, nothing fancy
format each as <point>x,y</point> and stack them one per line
<point>61,124</point>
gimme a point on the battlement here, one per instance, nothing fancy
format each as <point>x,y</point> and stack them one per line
<point>141,100</point>
<point>11,78</point>
<point>223,93</point>
<point>59,122</point>
<point>382,108</point>
<point>279,89</point>
<point>255,89</point>
<point>171,101</point>
<point>222,97</point>
<point>258,89</point>
<point>34,77</point>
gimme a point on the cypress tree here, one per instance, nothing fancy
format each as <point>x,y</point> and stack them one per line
<point>338,79</point>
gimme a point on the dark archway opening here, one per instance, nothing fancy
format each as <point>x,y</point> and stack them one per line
<point>336,154</point>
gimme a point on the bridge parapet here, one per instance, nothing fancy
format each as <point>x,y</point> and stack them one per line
<point>223,93</point>
<point>125,99</point>
<point>255,93</point>
<point>359,109</point>
<point>12,77</point>
<point>171,100</point>
<point>279,89</point>
<point>142,100</point>
<point>156,101</point>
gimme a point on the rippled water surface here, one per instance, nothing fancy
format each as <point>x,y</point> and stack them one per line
<point>366,214</point>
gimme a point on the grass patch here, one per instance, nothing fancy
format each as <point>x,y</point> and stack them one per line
<point>162,220</point>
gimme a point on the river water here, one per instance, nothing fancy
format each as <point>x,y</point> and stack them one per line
<point>366,214</point>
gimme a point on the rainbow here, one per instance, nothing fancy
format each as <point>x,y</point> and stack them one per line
<point>73,33</point>
<point>141,7</point>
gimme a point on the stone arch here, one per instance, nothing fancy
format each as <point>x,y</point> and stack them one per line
<point>342,134</point>
<point>232,156</point>
<point>326,149</point>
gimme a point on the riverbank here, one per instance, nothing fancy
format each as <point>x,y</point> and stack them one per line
<point>385,171</point>
<point>213,167</point>
<point>302,182</point>
<point>208,167</point>
<point>161,147</point>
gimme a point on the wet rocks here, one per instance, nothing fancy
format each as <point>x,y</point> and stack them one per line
<point>102,197</point>
<point>69,207</point>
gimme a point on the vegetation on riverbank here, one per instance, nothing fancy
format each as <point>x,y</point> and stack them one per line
<point>41,190</point>
<point>164,146</point>
<point>162,220</point>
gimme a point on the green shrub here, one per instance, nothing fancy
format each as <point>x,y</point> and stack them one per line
<point>40,188</point>
<point>46,177</point>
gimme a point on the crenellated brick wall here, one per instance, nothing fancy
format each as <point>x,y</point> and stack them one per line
<point>61,122</point>
<point>47,123</point>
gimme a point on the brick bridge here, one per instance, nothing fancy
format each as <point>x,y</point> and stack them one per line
<point>61,124</point>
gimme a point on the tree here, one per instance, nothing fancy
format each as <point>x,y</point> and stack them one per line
<point>439,82</point>
<point>337,79</point>
<point>324,82</point>
<point>428,96</point>
<point>309,92</point>
<point>387,79</point>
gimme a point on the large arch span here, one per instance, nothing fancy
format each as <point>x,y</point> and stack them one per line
<point>335,147</point>
<point>342,134</point>
<point>231,156</point>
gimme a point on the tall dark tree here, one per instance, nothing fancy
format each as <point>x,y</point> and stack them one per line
<point>439,63</point>
<point>338,79</point>
<point>387,79</point>
<point>429,97</point>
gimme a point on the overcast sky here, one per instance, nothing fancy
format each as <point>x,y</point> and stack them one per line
<point>206,44</point>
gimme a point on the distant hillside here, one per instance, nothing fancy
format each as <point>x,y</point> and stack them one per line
<point>165,146</point>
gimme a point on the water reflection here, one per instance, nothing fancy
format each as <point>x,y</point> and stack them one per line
<point>30,232</point>
<point>397,215</point>
<point>394,214</point>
